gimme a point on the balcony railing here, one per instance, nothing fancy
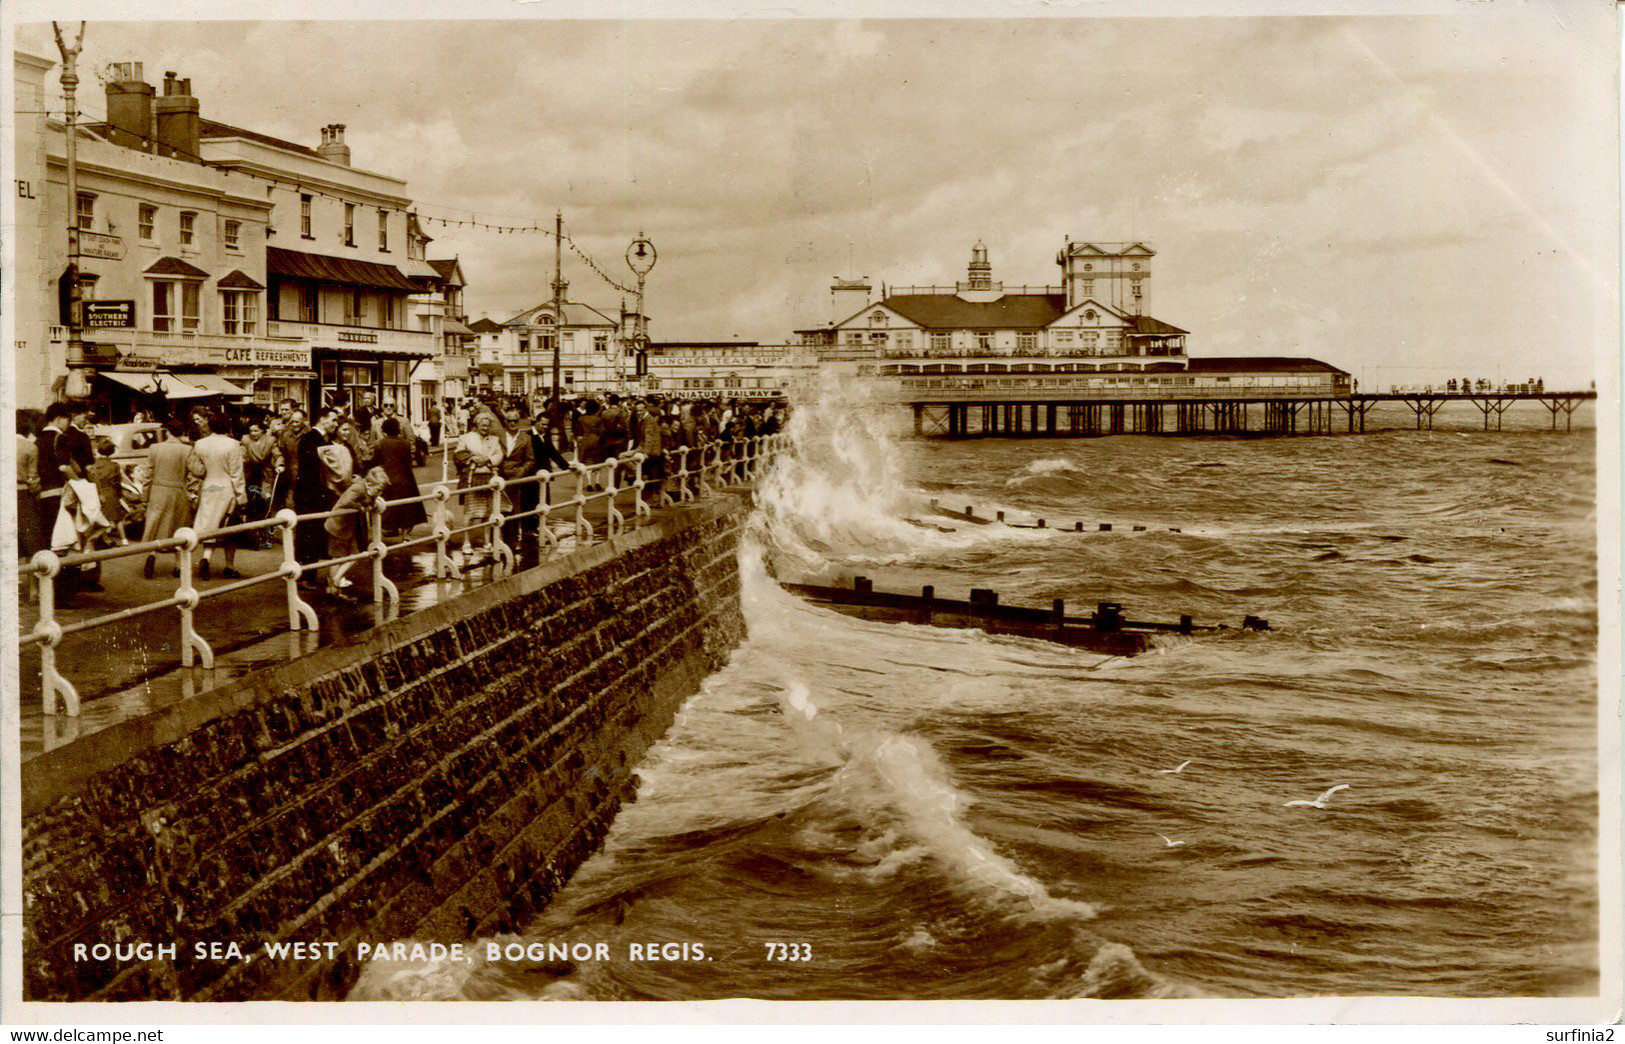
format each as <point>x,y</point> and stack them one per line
<point>332,335</point>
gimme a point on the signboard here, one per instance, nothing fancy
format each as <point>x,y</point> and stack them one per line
<point>138,362</point>
<point>98,244</point>
<point>109,314</point>
<point>246,355</point>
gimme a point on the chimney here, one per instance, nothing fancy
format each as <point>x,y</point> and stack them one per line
<point>332,147</point>
<point>129,107</point>
<point>178,122</point>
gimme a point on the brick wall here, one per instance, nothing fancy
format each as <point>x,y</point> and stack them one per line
<point>437,779</point>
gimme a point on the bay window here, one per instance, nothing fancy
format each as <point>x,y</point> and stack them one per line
<point>241,311</point>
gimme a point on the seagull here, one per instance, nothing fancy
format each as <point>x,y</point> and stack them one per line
<point>1171,842</point>
<point>1319,802</point>
<point>1173,771</point>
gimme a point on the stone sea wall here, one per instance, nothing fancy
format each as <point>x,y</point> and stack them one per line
<point>439,778</point>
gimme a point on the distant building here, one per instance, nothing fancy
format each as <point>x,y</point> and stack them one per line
<point>1094,320</point>
<point>726,369</point>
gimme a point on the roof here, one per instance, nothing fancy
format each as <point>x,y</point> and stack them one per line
<point>1144,324</point>
<point>174,266</point>
<point>446,268</point>
<point>215,129</point>
<point>239,280</point>
<point>1260,363</point>
<point>299,265</point>
<point>704,344</point>
<point>575,314</point>
<point>949,311</point>
<point>485,325</point>
<point>452,326</point>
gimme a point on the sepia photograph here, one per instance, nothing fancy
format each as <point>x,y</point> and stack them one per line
<point>1107,511</point>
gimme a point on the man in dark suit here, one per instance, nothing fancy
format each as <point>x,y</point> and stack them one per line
<point>310,492</point>
<point>518,462</point>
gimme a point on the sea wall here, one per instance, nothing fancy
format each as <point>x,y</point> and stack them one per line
<point>439,778</point>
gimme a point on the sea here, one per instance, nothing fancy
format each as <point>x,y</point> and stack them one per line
<point>862,810</point>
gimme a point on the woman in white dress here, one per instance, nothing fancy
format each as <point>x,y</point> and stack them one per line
<point>218,460</point>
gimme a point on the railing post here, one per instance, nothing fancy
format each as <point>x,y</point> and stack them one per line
<point>382,586</point>
<point>500,551</point>
<point>444,567</point>
<point>612,514</point>
<point>298,609</point>
<point>583,527</point>
<point>705,485</point>
<point>190,639</point>
<point>546,541</point>
<point>52,684</point>
<point>640,509</point>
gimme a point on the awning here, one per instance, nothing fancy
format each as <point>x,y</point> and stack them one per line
<point>452,326</point>
<point>299,265</point>
<point>157,382</point>
<point>214,384</point>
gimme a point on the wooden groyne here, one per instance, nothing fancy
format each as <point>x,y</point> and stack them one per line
<point>1105,630</point>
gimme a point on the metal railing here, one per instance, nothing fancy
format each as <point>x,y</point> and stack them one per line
<point>698,473</point>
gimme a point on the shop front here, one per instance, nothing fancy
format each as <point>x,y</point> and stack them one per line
<point>347,376</point>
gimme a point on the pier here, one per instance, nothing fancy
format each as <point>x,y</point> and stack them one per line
<point>1221,413</point>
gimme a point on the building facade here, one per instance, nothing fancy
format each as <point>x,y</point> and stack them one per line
<point>216,261</point>
<point>727,369</point>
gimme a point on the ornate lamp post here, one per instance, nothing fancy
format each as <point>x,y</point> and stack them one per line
<point>75,386</point>
<point>640,258</point>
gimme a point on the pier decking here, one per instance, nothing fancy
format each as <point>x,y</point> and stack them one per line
<point>1221,413</point>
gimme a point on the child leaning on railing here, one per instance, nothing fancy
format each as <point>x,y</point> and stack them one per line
<point>346,533</point>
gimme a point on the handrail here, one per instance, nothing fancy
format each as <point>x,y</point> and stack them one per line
<point>715,465</point>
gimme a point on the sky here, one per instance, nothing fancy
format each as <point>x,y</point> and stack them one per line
<point>1408,197</point>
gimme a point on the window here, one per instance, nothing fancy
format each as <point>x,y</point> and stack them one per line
<point>524,342</point>
<point>516,382</point>
<point>354,307</point>
<point>984,340</point>
<point>878,318</point>
<point>569,340</point>
<point>349,224</point>
<point>904,339</point>
<point>1090,314</point>
<point>600,342</point>
<point>383,231</point>
<point>188,228</point>
<point>86,211</point>
<point>308,311</point>
<point>146,222</point>
<point>1088,268</point>
<point>1063,337</point>
<point>941,343</point>
<point>174,306</point>
<point>1026,342</point>
<point>304,216</point>
<point>1088,288</point>
<point>241,311</point>
<point>233,233</point>
<point>854,338</point>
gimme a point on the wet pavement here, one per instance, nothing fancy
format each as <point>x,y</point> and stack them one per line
<point>133,666</point>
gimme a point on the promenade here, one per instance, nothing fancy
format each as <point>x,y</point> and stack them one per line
<point>128,667</point>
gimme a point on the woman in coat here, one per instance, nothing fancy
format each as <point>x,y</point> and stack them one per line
<point>217,460</point>
<point>163,489</point>
<point>394,454</point>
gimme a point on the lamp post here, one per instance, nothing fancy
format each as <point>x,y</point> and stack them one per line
<point>558,309</point>
<point>75,385</point>
<point>640,258</point>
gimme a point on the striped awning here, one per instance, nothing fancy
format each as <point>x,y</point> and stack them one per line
<point>156,382</point>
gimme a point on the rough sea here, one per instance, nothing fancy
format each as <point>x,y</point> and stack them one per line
<point>934,813</point>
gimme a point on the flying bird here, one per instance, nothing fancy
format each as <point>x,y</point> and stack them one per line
<point>1319,802</point>
<point>1171,842</point>
<point>1178,769</point>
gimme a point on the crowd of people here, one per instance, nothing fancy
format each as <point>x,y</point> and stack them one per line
<point>219,466</point>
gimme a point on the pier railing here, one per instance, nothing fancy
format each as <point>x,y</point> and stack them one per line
<point>690,474</point>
